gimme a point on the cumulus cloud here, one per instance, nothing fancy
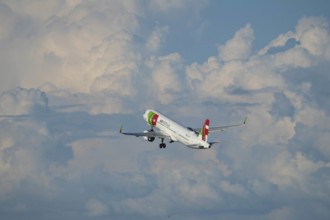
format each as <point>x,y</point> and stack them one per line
<point>239,47</point>
<point>164,80</point>
<point>84,48</point>
<point>93,61</point>
<point>276,131</point>
<point>23,155</point>
<point>23,101</point>
<point>156,39</point>
<point>312,34</point>
<point>74,45</point>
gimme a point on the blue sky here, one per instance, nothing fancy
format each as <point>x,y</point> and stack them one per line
<point>74,71</point>
<point>220,19</point>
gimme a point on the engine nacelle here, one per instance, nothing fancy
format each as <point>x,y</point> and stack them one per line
<point>150,139</point>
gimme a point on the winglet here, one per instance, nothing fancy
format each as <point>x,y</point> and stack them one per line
<point>121,130</point>
<point>245,120</point>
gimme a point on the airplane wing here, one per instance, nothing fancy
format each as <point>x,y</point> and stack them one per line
<point>223,128</point>
<point>146,134</point>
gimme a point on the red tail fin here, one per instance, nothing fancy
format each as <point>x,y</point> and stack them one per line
<point>204,132</point>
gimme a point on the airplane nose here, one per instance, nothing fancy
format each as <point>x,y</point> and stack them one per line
<point>145,115</point>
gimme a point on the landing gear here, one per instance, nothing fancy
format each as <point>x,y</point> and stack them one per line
<point>162,144</point>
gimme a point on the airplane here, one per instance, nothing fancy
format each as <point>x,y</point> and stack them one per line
<point>167,128</point>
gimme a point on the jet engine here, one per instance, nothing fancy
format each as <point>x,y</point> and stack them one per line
<point>146,138</point>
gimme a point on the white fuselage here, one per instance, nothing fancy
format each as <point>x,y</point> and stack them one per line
<point>175,131</point>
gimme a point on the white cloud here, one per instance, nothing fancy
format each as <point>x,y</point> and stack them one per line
<point>38,10</point>
<point>279,131</point>
<point>288,170</point>
<point>280,41</point>
<point>23,101</point>
<point>156,39</point>
<point>164,77</point>
<point>95,59</point>
<point>217,80</point>
<point>296,57</point>
<point>75,45</point>
<point>239,47</point>
<point>313,35</point>
<point>253,79</point>
<point>91,48</point>
<point>22,158</point>
<point>308,115</point>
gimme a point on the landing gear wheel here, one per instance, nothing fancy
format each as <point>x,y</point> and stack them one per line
<point>162,144</point>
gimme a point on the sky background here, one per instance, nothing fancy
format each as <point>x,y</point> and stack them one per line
<point>74,71</point>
